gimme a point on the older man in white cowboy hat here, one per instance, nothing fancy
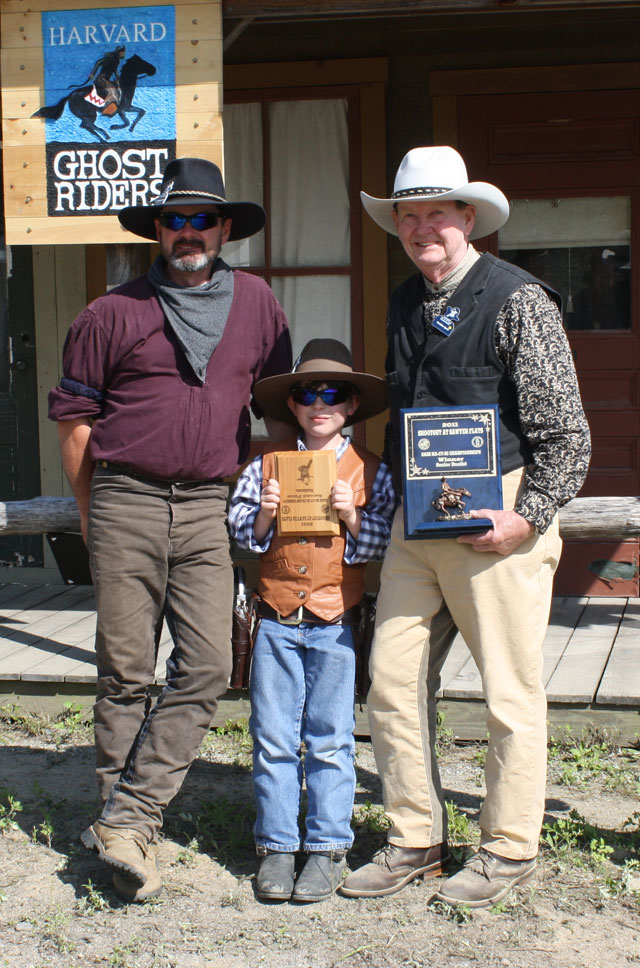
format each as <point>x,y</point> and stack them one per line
<point>153,415</point>
<point>469,329</point>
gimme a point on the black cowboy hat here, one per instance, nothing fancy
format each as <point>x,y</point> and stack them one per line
<point>322,360</point>
<point>193,181</point>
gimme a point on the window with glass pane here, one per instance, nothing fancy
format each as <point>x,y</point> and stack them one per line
<point>580,247</point>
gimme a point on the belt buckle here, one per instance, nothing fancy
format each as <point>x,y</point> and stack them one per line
<point>296,620</point>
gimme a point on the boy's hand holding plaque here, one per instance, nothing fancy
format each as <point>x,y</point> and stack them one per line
<point>306,478</point>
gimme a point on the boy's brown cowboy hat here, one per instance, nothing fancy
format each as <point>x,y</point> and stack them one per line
<point>193,181</point>
<point>322,360</point>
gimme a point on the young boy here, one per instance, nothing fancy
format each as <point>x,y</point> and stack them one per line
<point>303,665</point>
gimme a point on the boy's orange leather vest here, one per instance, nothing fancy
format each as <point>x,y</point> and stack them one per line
<point>310,571</point>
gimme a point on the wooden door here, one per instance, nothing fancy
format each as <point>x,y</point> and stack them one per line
<point>571,162</point>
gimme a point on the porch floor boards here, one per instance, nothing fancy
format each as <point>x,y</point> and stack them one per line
<point>591,661</point>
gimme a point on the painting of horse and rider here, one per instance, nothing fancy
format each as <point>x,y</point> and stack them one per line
<point>108,92</point>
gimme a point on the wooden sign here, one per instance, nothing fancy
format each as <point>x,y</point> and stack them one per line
<point>306,478</point>
<point>451,466</point>
<point>96,100</point>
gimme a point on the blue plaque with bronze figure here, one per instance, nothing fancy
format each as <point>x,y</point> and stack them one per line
<point>451,466</point>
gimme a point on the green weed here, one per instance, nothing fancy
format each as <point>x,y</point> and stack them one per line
<point>54,928</point>
<point>462,831</point>
<point>220,827</point>
<point>120,957</point>
<point>10,807</point>
<point>444,737</point>
<point>34,724</point>
<point>72,720</point>
<point>187,855</point>
<point>572,841</point>
<point>460,914</point>
<point>237,731</point>
<point>94,900</point>
<point>43,833</point>
<point>371,818</point>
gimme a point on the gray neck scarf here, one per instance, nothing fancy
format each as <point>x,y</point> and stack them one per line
<point>197,315</point>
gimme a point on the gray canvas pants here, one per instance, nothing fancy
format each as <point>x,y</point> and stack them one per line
<point>157,550</point>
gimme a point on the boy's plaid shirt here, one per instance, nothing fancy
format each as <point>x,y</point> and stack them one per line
<point>377,515</point>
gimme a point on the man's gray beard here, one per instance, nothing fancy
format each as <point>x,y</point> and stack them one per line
<point>193,262</point>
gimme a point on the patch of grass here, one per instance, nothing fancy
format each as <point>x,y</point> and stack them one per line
<point>121,954</point>
<point>52,810</point>
<point>627,882</point>
<point>594,754</point>
<point>54,930</point>
<point>187,855</point>
<point>34,724</point>
<point>237,731</point>
<point>222,828</point>
<point>460,914</point>
<point>94,900</point>
<point>74,720</point>
<point>573,843</point>
<point>370,818</point>
<point>462,831</point>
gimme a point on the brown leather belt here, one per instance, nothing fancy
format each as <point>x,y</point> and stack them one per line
<point>302,614</point>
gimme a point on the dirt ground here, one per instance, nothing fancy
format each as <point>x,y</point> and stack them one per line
<point>57,908</point>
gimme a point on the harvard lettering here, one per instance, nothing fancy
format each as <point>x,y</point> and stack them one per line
<point>60,36</point>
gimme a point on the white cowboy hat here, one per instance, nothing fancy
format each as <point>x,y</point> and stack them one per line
<point>439,172</point>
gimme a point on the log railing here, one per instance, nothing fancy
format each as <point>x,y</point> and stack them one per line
<point>583,519</point>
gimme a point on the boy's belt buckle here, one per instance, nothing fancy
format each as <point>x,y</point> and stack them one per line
<point>294,619</point>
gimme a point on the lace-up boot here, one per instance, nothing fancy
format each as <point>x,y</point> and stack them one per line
<point>125,850</point>
<point>393,867</point>
<point>484,880</point>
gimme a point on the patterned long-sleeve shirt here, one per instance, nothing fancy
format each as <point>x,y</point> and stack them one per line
<point>375,526</point>
<point>533,346</point>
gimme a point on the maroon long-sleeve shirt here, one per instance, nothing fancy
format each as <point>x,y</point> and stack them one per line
<point>124,369</point>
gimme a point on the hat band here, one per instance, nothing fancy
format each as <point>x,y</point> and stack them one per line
<point>195,191</point>
<point>409,192</point>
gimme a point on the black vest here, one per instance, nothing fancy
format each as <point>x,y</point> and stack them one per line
<point>429,369</point>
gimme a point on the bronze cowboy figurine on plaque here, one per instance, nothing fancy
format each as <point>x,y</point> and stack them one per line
<point>451,497</point>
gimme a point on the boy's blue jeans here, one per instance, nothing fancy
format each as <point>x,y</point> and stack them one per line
<point>302,690</point>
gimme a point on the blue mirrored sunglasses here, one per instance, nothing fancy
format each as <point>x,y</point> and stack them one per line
<point>331,396</point>
<point>200,221</point>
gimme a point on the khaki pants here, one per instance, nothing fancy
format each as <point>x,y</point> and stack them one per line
<point>501,606</point>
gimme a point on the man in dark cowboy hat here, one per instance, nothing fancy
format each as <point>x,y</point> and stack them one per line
<point>469,329</point>
<point>153,415</point>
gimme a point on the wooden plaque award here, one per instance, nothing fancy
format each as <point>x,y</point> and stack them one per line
<point>306,478</point>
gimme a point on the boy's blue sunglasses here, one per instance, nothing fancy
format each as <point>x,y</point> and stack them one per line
<point>200,221</point>
<point>331,396</point>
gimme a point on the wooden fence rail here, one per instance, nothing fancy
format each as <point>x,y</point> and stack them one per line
<point>583,519</point>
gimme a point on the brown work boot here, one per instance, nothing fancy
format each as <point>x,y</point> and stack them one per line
<point>125,850</point>
<point>131,890</point>
<point>484,880</point>
<point>393,867</point>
